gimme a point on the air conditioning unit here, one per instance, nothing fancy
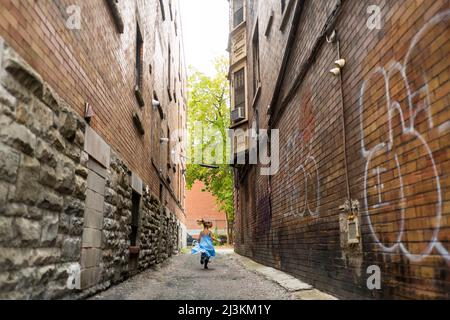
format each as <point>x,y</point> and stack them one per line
<point>238,114</point>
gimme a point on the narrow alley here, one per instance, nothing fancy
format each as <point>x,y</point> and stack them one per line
<point>307,142</point>
<point>183,278</point>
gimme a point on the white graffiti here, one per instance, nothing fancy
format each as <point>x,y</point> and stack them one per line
<point>388,150</point>
<point>299,204</point>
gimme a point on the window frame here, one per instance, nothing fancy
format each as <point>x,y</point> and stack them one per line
<point>116,14</point>
<point>139,65</point>
<point>269,24</point>
<point>243,103</point>
<point>135,217</point>
<point>163,12</point>
<point>234,24</point>
<point>256,60</point>
<point>286,12</point>
<point>169,72</point>
<point>283,5</point>
<point>170,10</point>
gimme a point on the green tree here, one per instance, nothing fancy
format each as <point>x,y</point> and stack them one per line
<point>208,108</point>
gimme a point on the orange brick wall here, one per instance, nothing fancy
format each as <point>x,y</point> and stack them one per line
<point>397,130</point>
<point>202,205</point>
<point>97,65</point>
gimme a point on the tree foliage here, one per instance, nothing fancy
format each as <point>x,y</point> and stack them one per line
<point>209,106</point>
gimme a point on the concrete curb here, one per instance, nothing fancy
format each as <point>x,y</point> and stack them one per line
<point>299,289</point>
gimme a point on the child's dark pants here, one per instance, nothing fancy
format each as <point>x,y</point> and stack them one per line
<point>204,260</point>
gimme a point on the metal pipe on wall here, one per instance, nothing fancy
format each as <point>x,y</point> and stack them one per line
<point>335,38</point>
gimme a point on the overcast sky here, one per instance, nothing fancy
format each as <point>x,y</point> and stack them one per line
<point>205,31</point>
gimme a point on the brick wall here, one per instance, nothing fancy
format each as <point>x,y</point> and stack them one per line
<point>395,89</point>
<point>96,64</point>
<point>202,205</point>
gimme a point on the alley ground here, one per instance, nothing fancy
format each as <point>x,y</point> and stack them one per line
<point>230,277</point>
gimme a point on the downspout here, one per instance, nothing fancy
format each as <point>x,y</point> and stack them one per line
<point>350,206</point>
<point>344,131</point>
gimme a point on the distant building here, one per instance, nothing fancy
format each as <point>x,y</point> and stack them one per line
<point>202,205</point>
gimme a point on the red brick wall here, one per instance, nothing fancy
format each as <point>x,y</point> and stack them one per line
<point>203,205</point>
<point>294,222</point>
<point>96,65</point>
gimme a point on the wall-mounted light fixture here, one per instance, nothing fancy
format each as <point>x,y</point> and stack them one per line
<point>88,112</point>
<point>335,71</point>
<point>156,103</point>
<point>340,63</point>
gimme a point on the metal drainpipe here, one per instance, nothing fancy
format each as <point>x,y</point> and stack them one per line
<point>344,135</point>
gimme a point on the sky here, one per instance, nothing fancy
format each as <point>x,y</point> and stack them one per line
<point>205,32</point>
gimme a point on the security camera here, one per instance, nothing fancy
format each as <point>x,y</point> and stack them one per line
<point>164,140</point>
<point>335,71</point>
<point>156,103</point>
<point>340,63</point>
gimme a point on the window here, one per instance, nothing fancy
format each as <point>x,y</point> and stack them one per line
<point>238,12</point>
<point>269,24</point>
<point>169,74</point>
<point>161,5</point>
<point>283,5</point>
<point>139,65</point>
<point>135,208</point>
<point>170,10</point>
<point>239,103</point>
<point>114,8</point>
<point>169,145</point>
<point>239,89</point>
<point>286,8</point>
<point>256,67</point>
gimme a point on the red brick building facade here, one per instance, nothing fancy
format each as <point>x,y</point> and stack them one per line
<point>93,109</point>
<point>202,205</point>
<point>86,64</point>
<point>364,152</point>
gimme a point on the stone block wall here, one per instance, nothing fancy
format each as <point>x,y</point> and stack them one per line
<point>65,198</point>
<point>43,179</point>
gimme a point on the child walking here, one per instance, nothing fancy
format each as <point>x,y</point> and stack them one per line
<point>205,244</point>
